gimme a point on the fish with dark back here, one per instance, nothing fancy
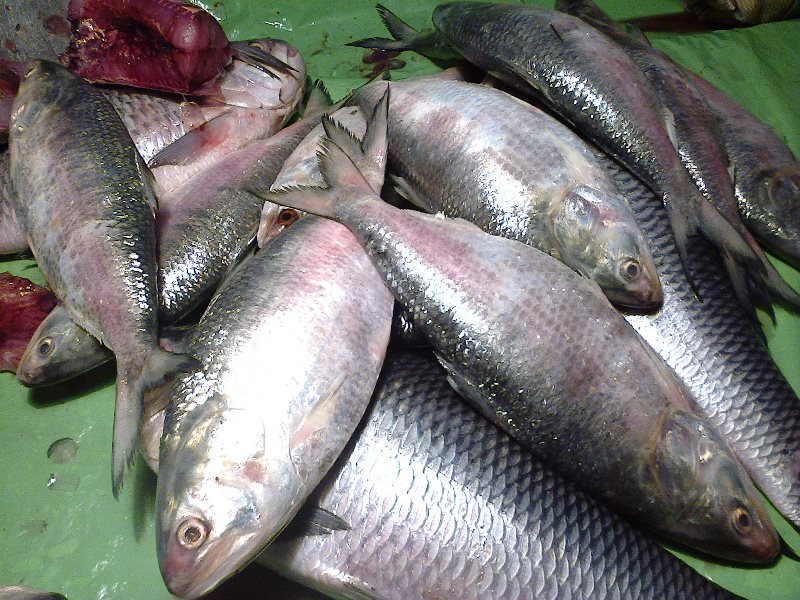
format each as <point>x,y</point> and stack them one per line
<point>595,401</point>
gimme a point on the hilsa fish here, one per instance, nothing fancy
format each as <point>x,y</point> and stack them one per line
<point>479,154</point>
<point>501,318</point>
<point>84,198</point>
<point>291,347</point>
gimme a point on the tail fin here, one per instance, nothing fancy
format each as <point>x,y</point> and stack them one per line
<point>319,100</point>
<point>128,413</point>
<point>428,43</point>
<point>340,168</point>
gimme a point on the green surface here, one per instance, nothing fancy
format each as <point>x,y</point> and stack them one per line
<point>75,538</point>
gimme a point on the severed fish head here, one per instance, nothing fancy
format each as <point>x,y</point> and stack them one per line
<point>716,508</point>
<point>219,475</point>
<point>598,236</point>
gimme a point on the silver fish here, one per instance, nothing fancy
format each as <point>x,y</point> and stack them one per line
<point>715,351</point>
<point>501,317</point>
<point>201,230</point>
<point>477,153</point>
<point>697,140</point>
<point>432,501</point>
<point>583,76</point>
<point>84,199</point>
<point>291,347</point>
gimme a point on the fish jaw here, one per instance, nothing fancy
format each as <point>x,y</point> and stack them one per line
<point>215,517</point>
<point>719,509</point>
<point>594,238</point>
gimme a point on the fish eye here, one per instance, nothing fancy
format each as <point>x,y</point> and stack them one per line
<point>192,533</point>
<point>45,347</point>
<point>742,521</point>
<point>287,216</point>
<point>630,269</point>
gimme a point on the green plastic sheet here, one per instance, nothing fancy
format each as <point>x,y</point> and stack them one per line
<point>73,537</point>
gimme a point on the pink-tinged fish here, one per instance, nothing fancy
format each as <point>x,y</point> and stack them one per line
<point>84,198</point>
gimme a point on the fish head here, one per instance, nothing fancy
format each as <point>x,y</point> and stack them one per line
<point>716,508</point>
<point>247,83</point>
<point>58,350</point>
<point>274,219</point>
<point>222,496</point>
<point>596,234</point>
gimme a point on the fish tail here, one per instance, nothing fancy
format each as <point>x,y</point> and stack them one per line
<point>746,287</point>
<point>404,35</point>
<point>399,29</point>
<point>319,99</point>
<point>132,383</point>
<point>350,168</point>
<point>779,289</point>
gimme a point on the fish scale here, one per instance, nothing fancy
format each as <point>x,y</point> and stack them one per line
<point>593,400</point>
<point>479,154</point>
<point>715,350</point>
<point>84,200</point>
<point>441,504</point>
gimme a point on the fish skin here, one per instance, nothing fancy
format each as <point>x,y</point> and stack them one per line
<point>714,349</point>
<point>12,237</point>
<point>766,175</point>
<point>291,347</point>
<point>613,106</point>
<point>423,460</point>
<point>479,154</point>
<point>697,137</point>
<point>500,317</point>
<point>246,103</point>
<point>84,199</point>
<point>201,230</point>
<point>255,113</point>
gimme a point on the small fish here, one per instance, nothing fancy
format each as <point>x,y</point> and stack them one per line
<point>84,199</point>
<point>23,306</point>
<point>291,347</point>
<point>389,521</point>
<point>476,153</point>
<point>526,340</point>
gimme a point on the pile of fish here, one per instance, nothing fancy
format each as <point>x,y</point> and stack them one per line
<point>259,286</point>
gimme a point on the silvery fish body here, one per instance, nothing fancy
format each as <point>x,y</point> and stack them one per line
<point>477,153</point>
<point>766,175</point>
<point>291,347</point>
<point>438,503</point>
<point>202,228</point>
<point>257,104</point>
<point>695,130</point>
<point>591,82</point>
<point>715,350</point>
<point>84,199</point>
<point>541,351</point>
<point>12,237</point>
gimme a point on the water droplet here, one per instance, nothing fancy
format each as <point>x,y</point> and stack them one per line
<point>51,481</point>
<point>62,451</point>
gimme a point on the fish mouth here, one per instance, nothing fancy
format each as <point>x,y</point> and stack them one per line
<point>188,575</point>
